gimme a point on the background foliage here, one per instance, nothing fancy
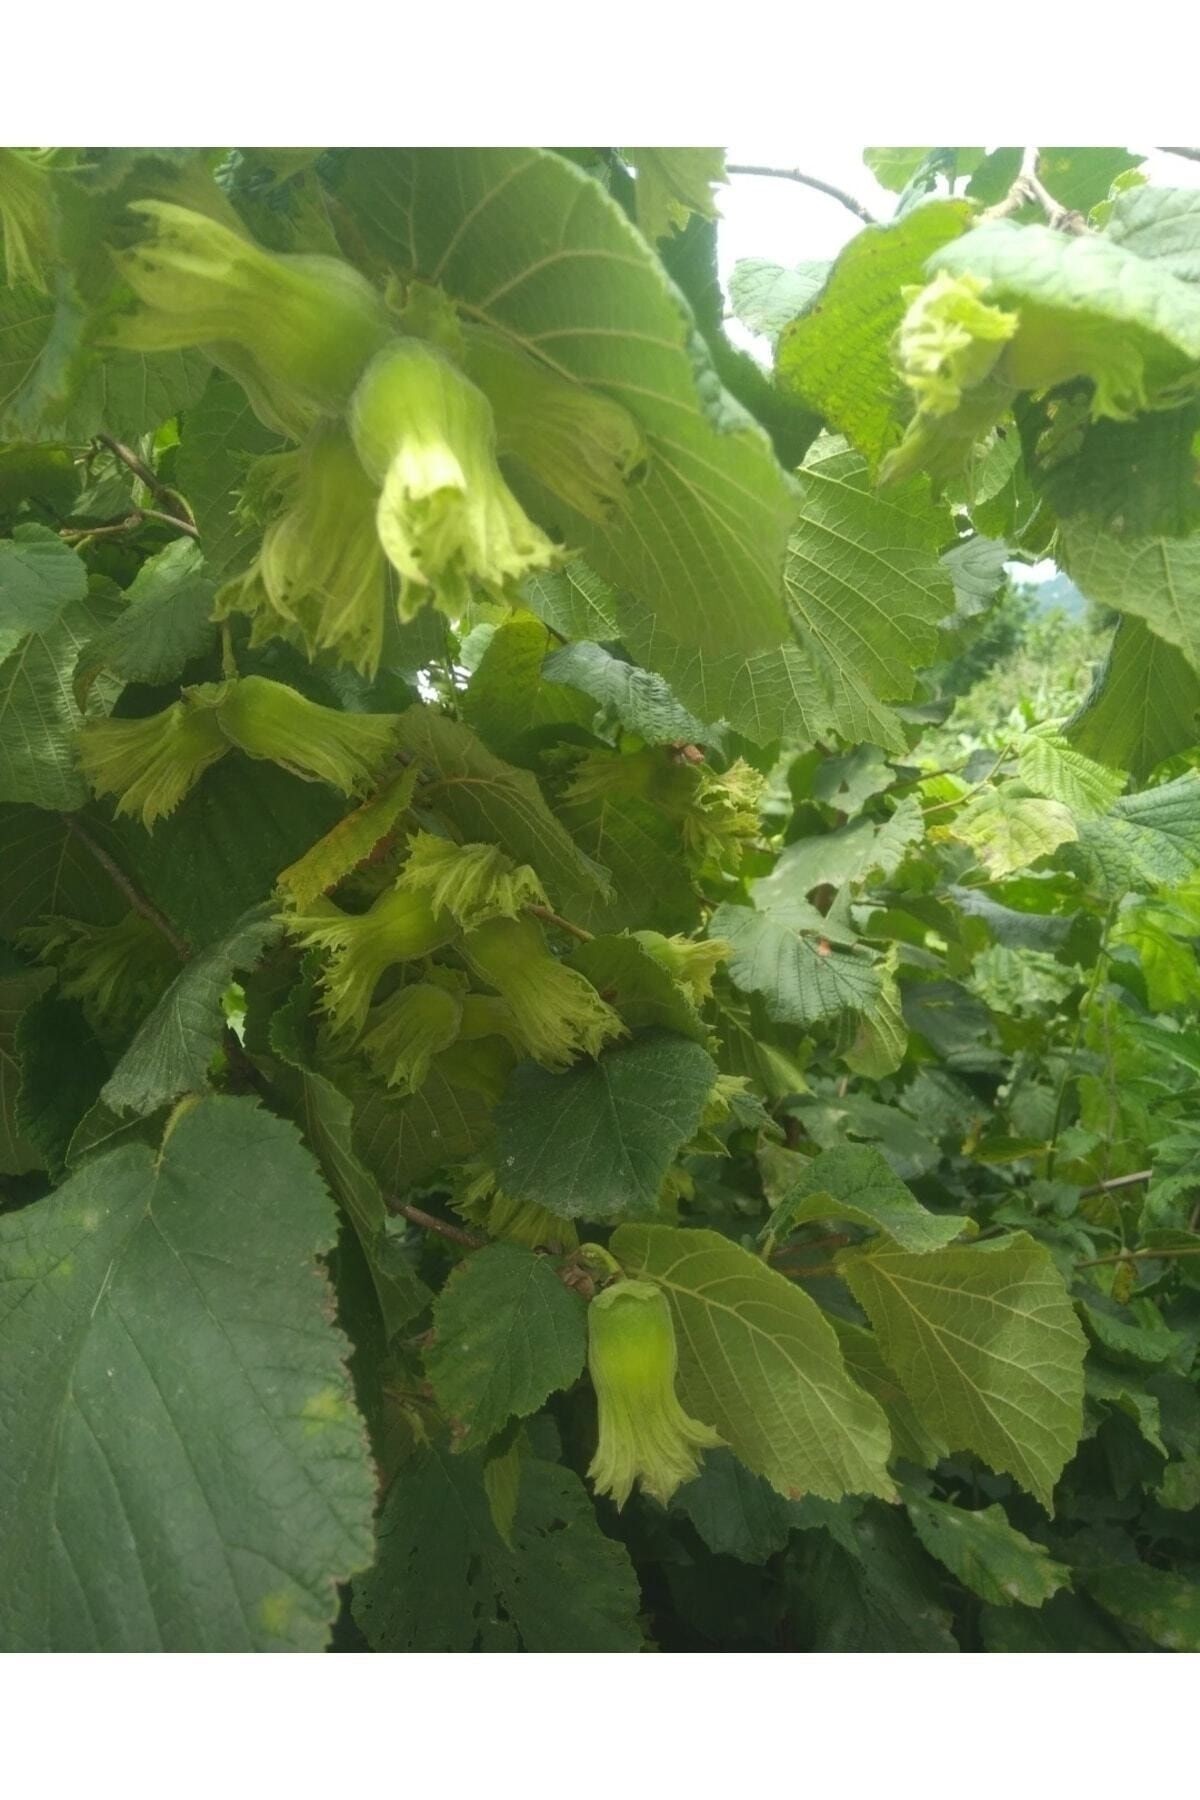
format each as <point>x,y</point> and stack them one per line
<point>752,888</point>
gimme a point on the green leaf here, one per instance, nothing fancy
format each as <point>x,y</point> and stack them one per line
<point>26,320</point>
<point>39,577</point>
<point>1156,579</point>
<point>47,869</point>
<point>166,624</point>
<point>1009,830</point>
<point>986,1343</point>
<point>349,843</point>
<point>327,1116</point>
<point>801,982</point>
<point>736,1512</point>
<point>1081,178</point>
<point>20,988</point>
<point>869,1589</point>
<point>220,435</point>
<point>597,1141</point>
<point>531,246</point>
<point>1144,707</point>
<point>642,849</point>
<point>637,986</point>
<point>172,1050</point>
<point>573,601</point>
<point>1048,766</point>
<point>848,782</point>
<point>766,297</point>
<point>62,1071</point>
<point>837,357</point>
<point>987,1554</point>
<point>507,1335</point>
<point>671,184</point>
<point>38,715</point>
<point>1163,1606</point>
<point>911,1438</point>
<point>1064,1624</point>
<point>446,1582</point>
<point>1135,478</point>
<point>1141,1340</point>
<point>1087,307</point>
<point>222,850</point>
<point>760,1363</point>
<point>866,588</point>
<point>491,802</point>
<point>881,1035</point>
<point>640,701</point>
<point>403,1142</point>
<point>1162,225</point>
<point>1151,839</point>
<point>507,697</point>
<point>855,1183</point>
<point>185,1469</point>
<point>128,394</point>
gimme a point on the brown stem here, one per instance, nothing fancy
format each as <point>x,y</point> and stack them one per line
<point>170,501</point>
<point>133,895</point>
<point>553,918</point>
<point>427,1222</point>
<point>118,527</point>
<point>1160,1255</point>
<point>809,181</point>
<point>1027,186</point>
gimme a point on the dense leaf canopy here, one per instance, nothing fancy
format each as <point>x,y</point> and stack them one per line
<point>569,931</point>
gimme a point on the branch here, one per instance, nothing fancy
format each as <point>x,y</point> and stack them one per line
<point>1160,1255</point>
<point>1028,187</point>
<point>169,500</point>
<point>455,1233</point>
<point>1174,150</point>
<point>1116,1181</point>
<point>809,181</point>
<point>120,879</point>
<point>553,918</point>
<point>139,515</point>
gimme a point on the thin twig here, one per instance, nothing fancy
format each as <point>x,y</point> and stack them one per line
<point>1159,1255</point>
<point>928,811</point>
<point>77,534</point>
<point>1027,186</point>
<point>171,502</point>
<point>120,879</point>
<point>427,1222</point>
<point>1115,1181</point>
<point>553,918</point>
<point>809,181</point>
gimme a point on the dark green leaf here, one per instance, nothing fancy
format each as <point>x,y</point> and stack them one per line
<point>597,1141</point>
<point>507,1335</point>
<point>184,1466</point>
<point>445,1581</point>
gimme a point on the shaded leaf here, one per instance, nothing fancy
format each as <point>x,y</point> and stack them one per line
<point>987,1554</point>
<point>184,1467</point>
<point>507,1335</point>
<point>172,1050</point>
<point>855,1183</point>
<point>597,1141</point>
<point>445,1581</point>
